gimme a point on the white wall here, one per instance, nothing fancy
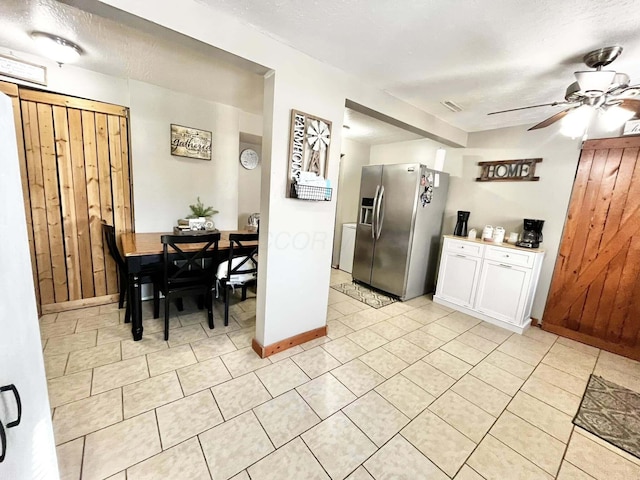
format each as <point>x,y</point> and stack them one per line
<point>507,203</point>
<point>249,186</point>
<point>356,155</point>
<point>415,151</point>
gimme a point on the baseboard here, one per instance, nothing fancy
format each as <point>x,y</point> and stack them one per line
<point>287,343</point>
<point>75,304</point>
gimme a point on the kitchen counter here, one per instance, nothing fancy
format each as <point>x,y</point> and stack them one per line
<point>504,244</point>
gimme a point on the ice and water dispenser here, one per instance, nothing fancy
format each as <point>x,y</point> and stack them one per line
<point>366,211</point>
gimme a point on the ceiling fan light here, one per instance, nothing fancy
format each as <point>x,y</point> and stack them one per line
<point>595,82</point>
<point>57,48</point>
<point>575,124</point>
<point>615,116</point>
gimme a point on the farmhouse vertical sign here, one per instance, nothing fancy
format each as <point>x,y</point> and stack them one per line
<point>509,170</point>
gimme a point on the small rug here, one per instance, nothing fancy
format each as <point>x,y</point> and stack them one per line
<point>365,295</point>
<point>612,413</point>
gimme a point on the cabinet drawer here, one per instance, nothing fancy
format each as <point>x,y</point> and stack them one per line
<point>510,256</point>
<point>466,248</point>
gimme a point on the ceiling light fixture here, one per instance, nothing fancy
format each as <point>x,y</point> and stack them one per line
<point>575,124</point>
<point>454,107</point>
<point>57,48</point>
<point>615,116</point>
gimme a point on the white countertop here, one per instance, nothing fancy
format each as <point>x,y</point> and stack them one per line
<point>504,244</point>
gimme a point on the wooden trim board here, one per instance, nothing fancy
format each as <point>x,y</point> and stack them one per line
<point>287,343</point>
<point>82,303</point>
<point>72,102</point>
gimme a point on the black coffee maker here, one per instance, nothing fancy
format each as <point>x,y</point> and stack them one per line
<point>531,234</point>
<point>461,224</point>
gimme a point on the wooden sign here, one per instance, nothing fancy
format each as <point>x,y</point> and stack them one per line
<point>190,142</point>
<point>509,170</point>
<point>310,137</point>
<point>632,127</point>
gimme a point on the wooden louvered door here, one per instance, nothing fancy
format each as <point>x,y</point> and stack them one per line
<point>77,174</point>
<point>595,291</point>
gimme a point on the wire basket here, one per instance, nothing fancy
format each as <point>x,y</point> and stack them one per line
<point>309,192</point>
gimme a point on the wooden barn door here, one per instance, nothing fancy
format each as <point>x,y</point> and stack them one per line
<point>595,291</point>
<point>77,174</point>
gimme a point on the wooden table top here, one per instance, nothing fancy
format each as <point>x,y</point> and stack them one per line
<point>139,244</point>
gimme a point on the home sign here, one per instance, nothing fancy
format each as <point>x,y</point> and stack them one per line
<point>509,170</point>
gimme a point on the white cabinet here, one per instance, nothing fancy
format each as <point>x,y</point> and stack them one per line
<point>491,282</point>
<point>347,247</point>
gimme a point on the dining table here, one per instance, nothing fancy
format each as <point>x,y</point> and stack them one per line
<point>142,249</point>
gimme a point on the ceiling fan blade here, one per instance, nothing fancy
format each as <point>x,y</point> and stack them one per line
<point>552,119</point>
<point>553,104</point>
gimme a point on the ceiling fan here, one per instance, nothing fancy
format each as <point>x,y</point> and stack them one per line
<point>604,91</point>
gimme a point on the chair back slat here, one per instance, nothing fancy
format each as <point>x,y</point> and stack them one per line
<point>109,234</point>
<point>236,248</point>
<point>183,267</point>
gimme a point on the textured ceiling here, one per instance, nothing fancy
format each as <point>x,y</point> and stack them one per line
<point>139,50</point>
<point>482,55</point>
<point>371,131</point>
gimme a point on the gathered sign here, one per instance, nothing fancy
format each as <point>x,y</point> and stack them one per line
<point>509,170</point>
<point>190,142</point>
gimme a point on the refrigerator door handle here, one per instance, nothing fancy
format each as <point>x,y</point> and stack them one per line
<point>374,210</point>
<point>380,216</point>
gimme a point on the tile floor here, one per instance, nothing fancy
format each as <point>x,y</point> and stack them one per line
<point>409,391</point>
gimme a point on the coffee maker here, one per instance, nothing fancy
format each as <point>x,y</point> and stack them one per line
<point>531,234</point>
<point>461,224</point>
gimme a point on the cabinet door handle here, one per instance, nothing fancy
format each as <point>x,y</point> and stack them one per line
<point>505,266</point>
<point>12,388</point>
<point>461,256</point>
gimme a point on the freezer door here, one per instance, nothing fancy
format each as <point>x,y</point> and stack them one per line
<point>396,213</point>
<point>365,242</point>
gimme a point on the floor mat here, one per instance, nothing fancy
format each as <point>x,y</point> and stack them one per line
<point>365,295</point>
<point>612,413</point>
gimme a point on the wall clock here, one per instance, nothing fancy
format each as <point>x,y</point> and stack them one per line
<point>249,158</point>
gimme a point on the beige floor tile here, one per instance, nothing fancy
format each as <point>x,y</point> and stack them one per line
<point>182,461</point>
<point>468,473</point>
<point>405,350</point>
<point>488,398</point>
<point>429,378</point>
<point>70,459</point>
<point>598,461</point>
<point>581,347</point>
<point>616,376</point>
<point>427,342</point>
<point>495,461</point>
<point>294,460</point>
<point>48,318</point>
<point>281,377</point>
<point>570,361</point>
<point>239,395</point>
<point>464,352</point>
<point>458,322</point>
<point>57,329</point>
<point>387,330</point>
<point>85,416</point>
<point>212,347</point>
<point>286,417</point>
<point>118,333</point>
<point>337,329</point>
<point>552,395</point>
<point>425,316</point>
<point>607,445</point>
<point>233,446</point>
<point>496,377</point>
<point>541,415</point>
<point>289,352</point>
<point>209,373</point>
<point>171,359</point>
<point>220,329</point>
<point>180,336</point>
<point>104,320</point>
<point>394,309</point>
<point>463,415</point>
<point>54,365</point>
<point>339,445</point>
<point>418,302</point>
<point>566,381</point>
<point>617,362</point>
<point>538,446</point>
<point>315,362</point>
<point>187,417</point>
<point>384,362</point>
<point>150,393</point>
<point>405,323</point>
<point>510,364</point>
<point>316,342</point>
<point>540,335</point>
<point>477,342</point>
<point>358,377</point>
<point>242,338</point>
<point>70,343</point>
<point>376,417</point>
<point>118,374</point>
<point>120,446</point>
<point>360,474</point>
<point>343,349</point>
<point>405,395</point>
<point>78,313</point>
<point>399,460</point>
<point>332,314</point>
<point>439,442</point>
<point>348,306</point>
<point>69,388</point>
<point>363,319</point>
<point>93,357</point>
<point>326,395</point>
<point>243,475</point>
<point>570,472</point>
<point>491,332</point>
<point>524,348</point>
<point>447,363</point>
<point>367,339</point>
<point>439,331</point>
<point>243,361</point>
<point>150,343</point>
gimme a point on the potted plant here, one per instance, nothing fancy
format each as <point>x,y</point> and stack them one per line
<point>202,213</point>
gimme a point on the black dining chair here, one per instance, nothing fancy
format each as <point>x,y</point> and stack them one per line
<point>240,269</point>
<point>186,272</point>
<point>146,276</point>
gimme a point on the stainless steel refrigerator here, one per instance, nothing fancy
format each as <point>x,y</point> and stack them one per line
<point>399,228</point>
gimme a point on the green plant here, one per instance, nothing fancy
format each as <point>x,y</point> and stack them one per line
<point>199,210</point>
